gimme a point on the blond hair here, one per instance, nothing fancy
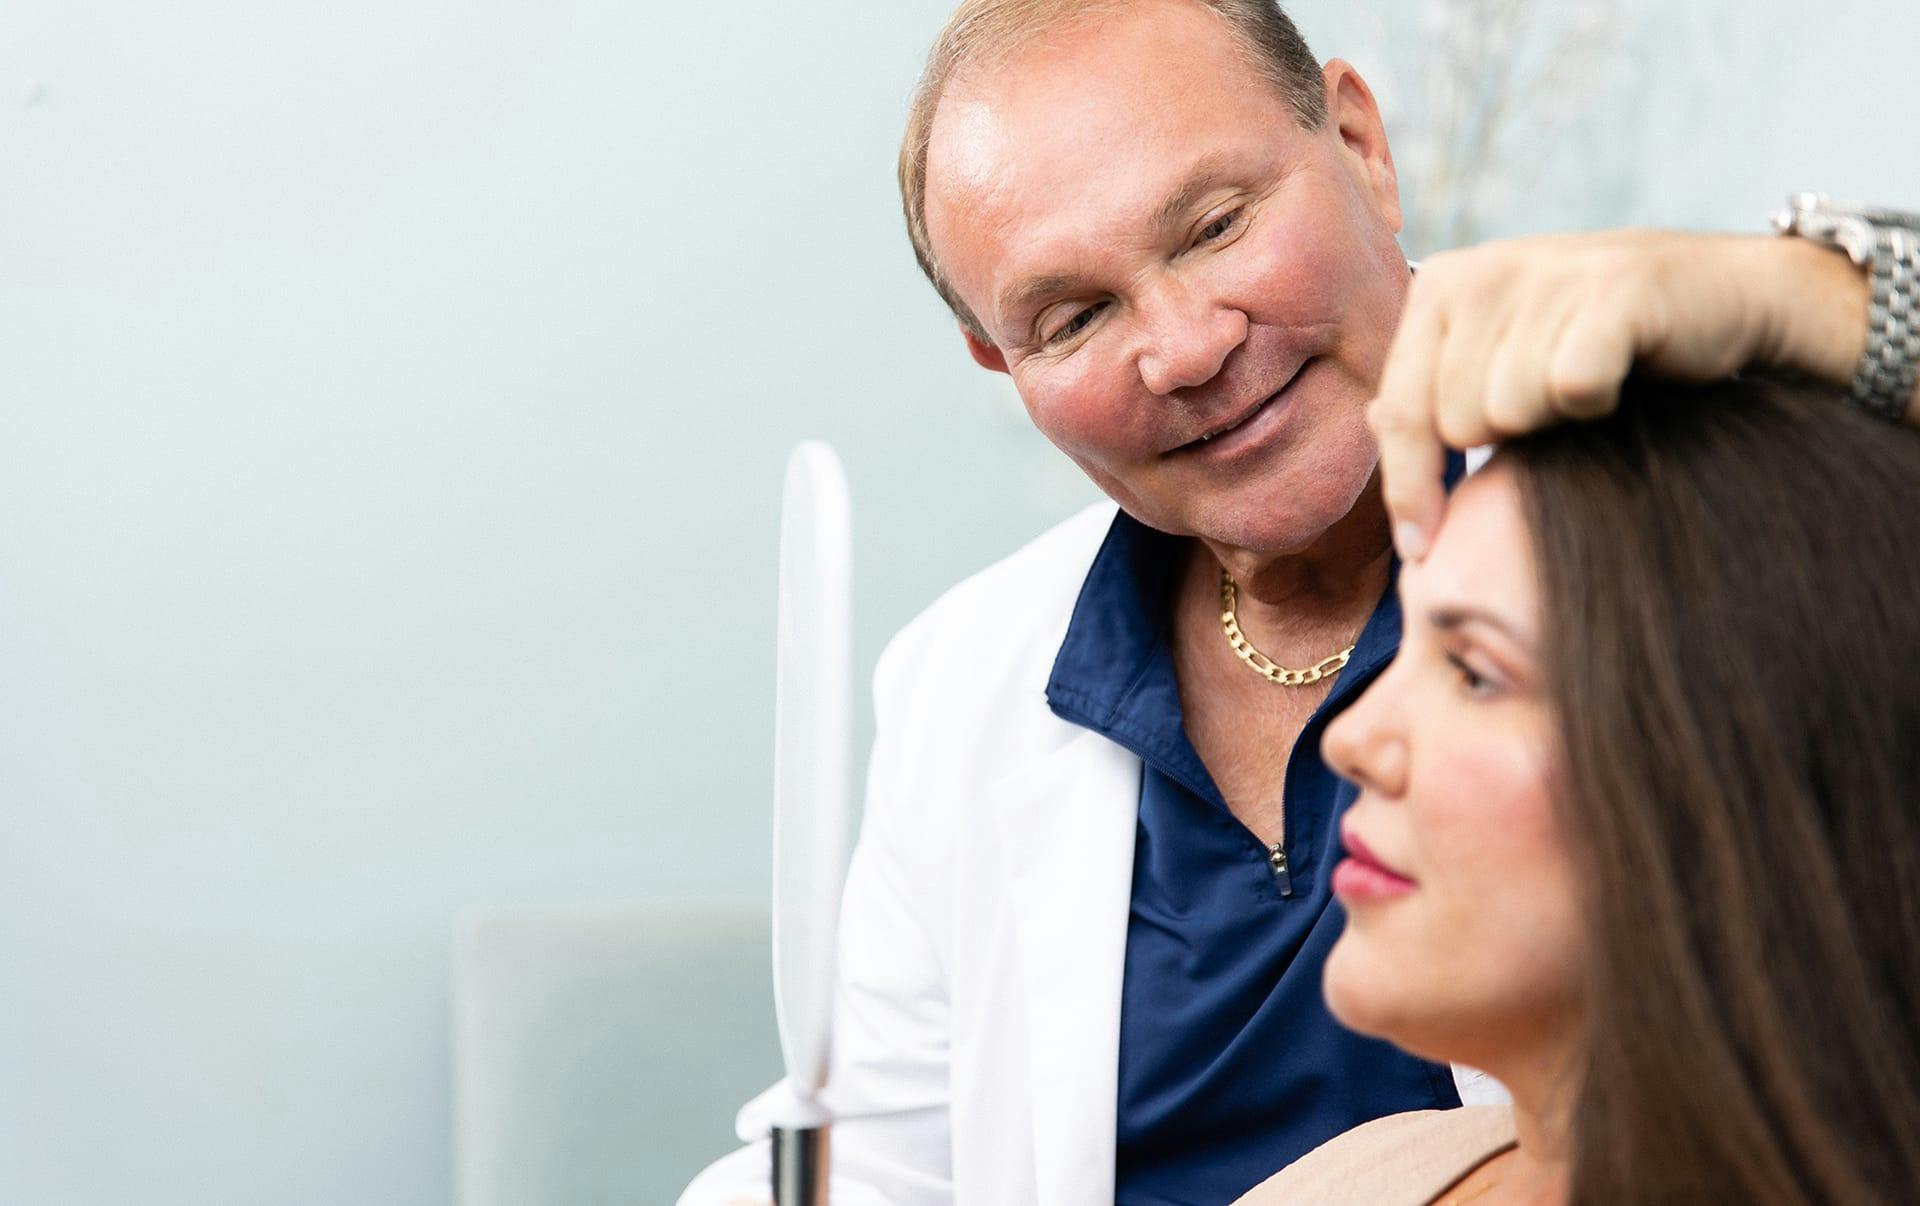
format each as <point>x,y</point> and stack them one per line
<point>984,33</point>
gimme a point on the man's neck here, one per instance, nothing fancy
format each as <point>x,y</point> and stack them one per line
<point>1297,610</point>
<point>1343,572</point>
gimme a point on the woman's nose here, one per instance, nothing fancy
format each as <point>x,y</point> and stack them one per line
<point>1366,745</point>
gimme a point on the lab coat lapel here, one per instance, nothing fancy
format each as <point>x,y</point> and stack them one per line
<point>1067,823</point>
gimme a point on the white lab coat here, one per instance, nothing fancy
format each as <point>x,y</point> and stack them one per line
<point>983,934</point>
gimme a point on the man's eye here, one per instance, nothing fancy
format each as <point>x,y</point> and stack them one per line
<point>1073,326</point>
<point>1219,226</point>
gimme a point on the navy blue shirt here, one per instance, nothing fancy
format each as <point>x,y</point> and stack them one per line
<point>1230,1065</point>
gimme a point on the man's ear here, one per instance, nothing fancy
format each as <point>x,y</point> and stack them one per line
<point>984,354</point>
<point>1355,116</point>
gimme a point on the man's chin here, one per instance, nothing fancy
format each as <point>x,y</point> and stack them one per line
<point>1287,504</point>
<point>1270,521</point>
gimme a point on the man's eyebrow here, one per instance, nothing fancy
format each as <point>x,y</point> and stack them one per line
<point>1205,175</point>
<point>1022,293</point>
<point>1452,617</point>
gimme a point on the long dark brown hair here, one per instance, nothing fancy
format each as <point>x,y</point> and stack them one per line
<point>1730,583</point>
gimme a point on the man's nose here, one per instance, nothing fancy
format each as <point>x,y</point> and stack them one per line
<point>1189,336</point>
<point>1366,744</point>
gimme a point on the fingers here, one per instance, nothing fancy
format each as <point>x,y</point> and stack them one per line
<point>1412,458</point>
<point>1460,411</point>
<point>1506,338</point>
<point>1589,360</point>
<point>1515,399</point>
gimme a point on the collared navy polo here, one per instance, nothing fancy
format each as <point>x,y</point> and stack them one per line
<point>1230,1065</point>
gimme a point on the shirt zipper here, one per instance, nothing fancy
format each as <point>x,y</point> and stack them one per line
<point>1277,859</point>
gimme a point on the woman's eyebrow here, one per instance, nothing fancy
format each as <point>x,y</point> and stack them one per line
<point>1454,616</point>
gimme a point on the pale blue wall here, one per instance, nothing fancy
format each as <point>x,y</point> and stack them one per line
<point>392,398</point>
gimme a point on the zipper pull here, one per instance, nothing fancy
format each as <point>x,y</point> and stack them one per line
<point>1277,859</point>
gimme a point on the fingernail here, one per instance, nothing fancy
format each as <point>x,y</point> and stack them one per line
<point>1410,540</point>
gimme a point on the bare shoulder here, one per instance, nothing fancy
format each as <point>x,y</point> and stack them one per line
<point>1400,1160</point>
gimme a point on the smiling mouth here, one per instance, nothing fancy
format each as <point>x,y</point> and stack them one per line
<point>1259,408</point>
<point>1220,431</point>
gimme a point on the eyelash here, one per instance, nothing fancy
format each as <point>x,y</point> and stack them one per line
<point>1475,684</point>
<point>1230,219</point>
<point>1073,326</point>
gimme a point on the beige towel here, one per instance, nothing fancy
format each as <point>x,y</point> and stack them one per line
<point>1400,1160</point>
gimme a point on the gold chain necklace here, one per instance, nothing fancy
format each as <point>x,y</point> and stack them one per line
<point>1271,670</point>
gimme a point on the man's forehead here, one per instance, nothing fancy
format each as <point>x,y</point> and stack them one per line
<point>1004,142</point>
<point>970,140</point>
<point>1006,190</point>
<point>1148,66</point>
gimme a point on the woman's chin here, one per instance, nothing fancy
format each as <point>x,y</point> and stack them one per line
<point>1376,989</point>
<point>1362,990</point>
<point>1439,1011</point>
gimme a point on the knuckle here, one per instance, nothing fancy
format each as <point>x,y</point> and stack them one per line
<point>1625,290</point>
<point>1437,266</point>
<point>1591,404</point>
<point>1438,279</point>
<point>1511,412</point>
<point>1566,386</point>
<point>1460,428</point>
<point>1577,392</point>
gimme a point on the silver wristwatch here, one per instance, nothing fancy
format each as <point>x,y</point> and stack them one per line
<point>1885,242</point>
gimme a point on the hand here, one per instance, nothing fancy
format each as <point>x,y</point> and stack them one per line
<point>1499,340</point>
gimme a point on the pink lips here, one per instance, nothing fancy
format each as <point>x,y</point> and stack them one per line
<point>1362,878</point>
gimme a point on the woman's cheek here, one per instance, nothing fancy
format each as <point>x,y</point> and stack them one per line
<point>1503,840</point>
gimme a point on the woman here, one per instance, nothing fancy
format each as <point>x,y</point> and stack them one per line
<point>1639,821</point>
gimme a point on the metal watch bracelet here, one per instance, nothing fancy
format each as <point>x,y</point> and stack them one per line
<point>1883,382</point>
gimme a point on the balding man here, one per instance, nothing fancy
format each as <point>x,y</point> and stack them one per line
<point>1084,926</point>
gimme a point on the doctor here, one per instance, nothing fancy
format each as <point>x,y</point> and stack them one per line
<point>1084,926</point>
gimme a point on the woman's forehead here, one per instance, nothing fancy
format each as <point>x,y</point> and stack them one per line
<point>1482,556</point>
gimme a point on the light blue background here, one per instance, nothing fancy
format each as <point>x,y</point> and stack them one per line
<point>392,402</point>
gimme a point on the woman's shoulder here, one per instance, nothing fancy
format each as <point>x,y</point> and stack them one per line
<point>1400,1160</point>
